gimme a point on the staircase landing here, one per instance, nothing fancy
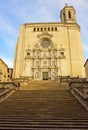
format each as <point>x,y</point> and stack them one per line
<point>44,85</point>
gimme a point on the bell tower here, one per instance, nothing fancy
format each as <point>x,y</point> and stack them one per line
<point>68,14</point>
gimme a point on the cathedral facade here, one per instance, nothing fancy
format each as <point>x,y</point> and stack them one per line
<point>45,51</point>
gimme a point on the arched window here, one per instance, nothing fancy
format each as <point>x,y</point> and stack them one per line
<point>64,17</point>
<point>69,14</point>
<point>62,53</point>
<point>28,53</point>
<point>45,63</point>
<point>37,63</point>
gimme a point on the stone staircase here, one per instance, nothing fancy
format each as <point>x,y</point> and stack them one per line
<point>46,109</point>
<point>44,85</point>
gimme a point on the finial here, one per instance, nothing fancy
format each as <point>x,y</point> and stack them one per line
<point>66,4</point>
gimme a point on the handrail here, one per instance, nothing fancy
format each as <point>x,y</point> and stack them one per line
<point>80,93</point>
<point>8,89</point>
<point>6,92</point>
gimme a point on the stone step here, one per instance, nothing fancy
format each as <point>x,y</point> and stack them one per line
<point>43,85</point>
<point>26,118</point>
<point>14,120</point>
<point>43,125</point>
<point>43,109</point>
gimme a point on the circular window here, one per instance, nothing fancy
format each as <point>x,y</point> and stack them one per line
<point>45,43</point>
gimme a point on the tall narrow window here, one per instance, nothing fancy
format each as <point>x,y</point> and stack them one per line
<point>69,14</point>
<point>64,17</point>
<point>37,29</point>
<point>44,29</point>
<point>41,29</point>
<point>52,28</point>
<point>34,29</point>
<point>55,28</point>
<point>48,29</point>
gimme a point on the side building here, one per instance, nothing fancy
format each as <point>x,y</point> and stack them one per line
<point>48,50</point>
<point>5,72</point>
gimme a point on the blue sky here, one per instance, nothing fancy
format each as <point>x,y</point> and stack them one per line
<point>13,13</point>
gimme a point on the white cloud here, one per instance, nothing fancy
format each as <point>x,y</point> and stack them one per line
<point>8,32</point>
<point>6,25</point>
<point>11,42</point>
<point>8,61</point>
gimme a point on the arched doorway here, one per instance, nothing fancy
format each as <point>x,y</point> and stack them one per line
<point>45,75</point>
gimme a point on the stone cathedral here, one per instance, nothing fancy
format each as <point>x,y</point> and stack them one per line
<point>45,51</point>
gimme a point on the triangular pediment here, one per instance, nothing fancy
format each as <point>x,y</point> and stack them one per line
<point>44,34</point>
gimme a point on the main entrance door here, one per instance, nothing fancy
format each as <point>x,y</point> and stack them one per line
<point>45,75</point>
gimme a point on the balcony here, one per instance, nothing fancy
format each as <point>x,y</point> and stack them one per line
<point>45,57</point>
<point>45,67</point>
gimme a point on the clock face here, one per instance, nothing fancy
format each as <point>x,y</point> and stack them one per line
<point>45,43</point>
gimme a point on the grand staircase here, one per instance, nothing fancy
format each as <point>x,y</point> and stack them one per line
<point>43,109</point>
<point>44,85</point>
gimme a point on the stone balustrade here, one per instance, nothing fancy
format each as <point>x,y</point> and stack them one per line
<point>8,89</point>
<point>80,91</point>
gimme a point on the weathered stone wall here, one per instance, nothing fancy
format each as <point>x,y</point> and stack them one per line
<point>65,38</point>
